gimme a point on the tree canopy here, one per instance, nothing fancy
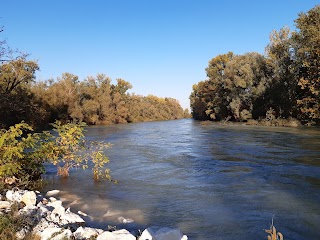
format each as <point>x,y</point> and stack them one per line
<point>94,100</point>
<point>285,81</point>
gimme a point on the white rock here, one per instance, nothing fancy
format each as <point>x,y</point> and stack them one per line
<point>55,233</point>
<point>65,234</point>
<point>86,233</point>
<point>125,220</point>
<point>72,218</point>
<point>52,193</point>
<point>58,208</point>
<point>14,195</point>
<point>52,199</point>
<point>122,234</point>
<point>42,211</point>
<point>42,225</point>
<point>83,214</point>
<point>48,232</point>
<point>22,233</point>
<point>165,233</point>
<point>5,204</point>
<point>29,198</point>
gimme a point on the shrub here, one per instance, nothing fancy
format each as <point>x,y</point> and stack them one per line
<point>23,152</point>
<point>21,156</point>
<point>70,150</point>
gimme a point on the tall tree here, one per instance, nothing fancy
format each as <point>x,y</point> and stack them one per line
<point>307,45</point>
<point>16,100</point>
<point>281,94</point>
<point>244,81</point>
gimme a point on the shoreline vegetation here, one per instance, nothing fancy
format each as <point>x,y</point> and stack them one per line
<point>278,87</point>
<point>263,122</point>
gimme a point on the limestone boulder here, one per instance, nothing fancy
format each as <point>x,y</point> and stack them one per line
<point>86,233</point>
<point>15,195</point>
<point>29,198</point>
<point>55,233</point>
<point>122,234</point>
<point>162,233</point>
<point>42,225</point>
<point>52,193</point>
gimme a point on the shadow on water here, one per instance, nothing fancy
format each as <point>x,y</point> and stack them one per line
<point>211,181</point>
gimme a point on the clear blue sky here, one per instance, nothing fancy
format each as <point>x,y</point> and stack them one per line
<point>161,47</point>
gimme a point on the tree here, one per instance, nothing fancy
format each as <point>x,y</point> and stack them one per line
<point>282,89</point>
<point>235,82</point>
<point>63,97</point>
<point>18,73</point>
<point>119,99</point>
<point>95,100</point>
<point>307,46</point>
<point>16,101</point>
<point>199,102</point>
<point>245,78</point>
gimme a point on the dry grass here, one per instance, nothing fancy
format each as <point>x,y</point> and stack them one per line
<point>274,235</point>
<point>11,223</point>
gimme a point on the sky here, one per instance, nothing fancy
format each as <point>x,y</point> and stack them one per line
<point>161,47</point>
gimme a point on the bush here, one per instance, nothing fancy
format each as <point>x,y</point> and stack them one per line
<point>21,157</point>
<point>71,150</point>
<point>23,152</point>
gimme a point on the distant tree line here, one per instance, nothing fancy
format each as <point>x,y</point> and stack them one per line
<point>95,100</point>
<point>284,82</point>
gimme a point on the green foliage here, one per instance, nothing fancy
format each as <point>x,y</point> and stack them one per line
<point>16,101</point>
<point>286,79</point>
<point>70,150</point>
<point>22,154</point>
<point>307,44</point>
<point>235,82</point>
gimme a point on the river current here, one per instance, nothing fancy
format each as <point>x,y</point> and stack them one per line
<point>211,181</point>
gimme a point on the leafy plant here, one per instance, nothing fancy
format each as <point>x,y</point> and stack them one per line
<point>70,150</point>
<point>23,152</point>
<point>21,156</point>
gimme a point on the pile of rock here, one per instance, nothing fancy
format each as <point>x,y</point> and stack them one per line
<point>50,220</point>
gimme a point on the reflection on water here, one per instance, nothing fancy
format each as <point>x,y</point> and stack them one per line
<point>211,181</point>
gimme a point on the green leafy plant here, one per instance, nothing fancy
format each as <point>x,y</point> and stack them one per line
<point>21,156</point>
<point>23,152</point>
<point>70,150</point>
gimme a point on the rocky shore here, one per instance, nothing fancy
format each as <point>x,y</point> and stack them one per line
<point>46,218</point>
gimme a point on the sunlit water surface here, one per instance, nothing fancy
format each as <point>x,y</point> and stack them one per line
<point>211,181</point>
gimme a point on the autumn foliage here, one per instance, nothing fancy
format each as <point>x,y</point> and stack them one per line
<point>285,80</point>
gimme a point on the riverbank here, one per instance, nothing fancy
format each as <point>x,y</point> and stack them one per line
<point>278,122</point>
<point>31,215</point>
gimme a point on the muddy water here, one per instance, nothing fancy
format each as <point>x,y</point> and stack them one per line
<point>211,181</point>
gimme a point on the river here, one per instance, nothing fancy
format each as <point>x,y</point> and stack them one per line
<point>211,181</point>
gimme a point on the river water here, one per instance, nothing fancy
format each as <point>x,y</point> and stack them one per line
<point>211,181</point>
